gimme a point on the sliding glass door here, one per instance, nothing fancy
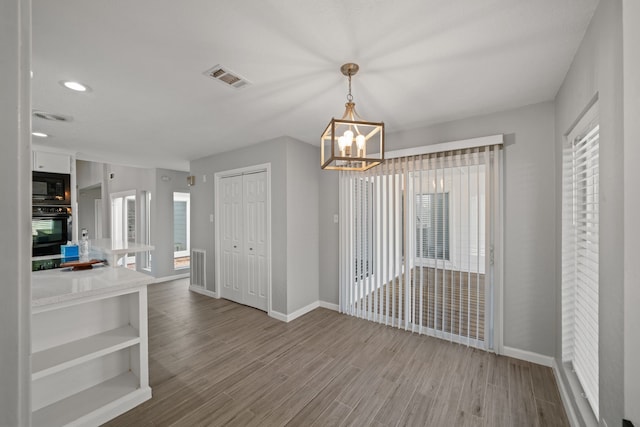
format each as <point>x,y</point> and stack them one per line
<point>417,238</point>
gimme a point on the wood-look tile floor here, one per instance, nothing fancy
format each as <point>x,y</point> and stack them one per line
<point>214,362</point>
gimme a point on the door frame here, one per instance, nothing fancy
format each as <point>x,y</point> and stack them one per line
<point>124,195</point>
<point>264,167</point>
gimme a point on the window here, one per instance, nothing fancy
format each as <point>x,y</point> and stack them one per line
<point>447,216</point>
<point>580,271</point>
<point>432,225</point>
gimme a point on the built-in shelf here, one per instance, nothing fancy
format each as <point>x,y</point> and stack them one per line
<point>91,405</point>
<point>90,346</point>
<point>56,359</point>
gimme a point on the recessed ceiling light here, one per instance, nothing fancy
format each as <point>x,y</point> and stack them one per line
<point>78,87</point>
<point>40,134</point>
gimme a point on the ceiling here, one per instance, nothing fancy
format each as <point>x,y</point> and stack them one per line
<point>421,62</point>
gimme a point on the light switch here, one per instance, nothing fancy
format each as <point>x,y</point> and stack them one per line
<point>210,217</point>
<point>204,178</point>
<point>335,218</point>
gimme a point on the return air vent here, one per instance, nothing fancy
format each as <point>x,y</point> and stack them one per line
<point>50,116</point>
<point>226,76</point>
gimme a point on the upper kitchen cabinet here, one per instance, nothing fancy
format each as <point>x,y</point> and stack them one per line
<point>51,162</point>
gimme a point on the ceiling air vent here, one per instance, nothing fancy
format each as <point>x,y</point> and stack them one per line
<point>226,76</point>
<point>50,116</point>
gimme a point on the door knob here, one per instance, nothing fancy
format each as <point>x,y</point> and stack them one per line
<point>250,249</point>
<point>234,246</point>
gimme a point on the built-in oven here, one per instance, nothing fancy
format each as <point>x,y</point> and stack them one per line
<point>50,228</point>
<point>51,188</point>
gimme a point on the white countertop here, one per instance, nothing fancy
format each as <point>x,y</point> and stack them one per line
<point>50,287</point>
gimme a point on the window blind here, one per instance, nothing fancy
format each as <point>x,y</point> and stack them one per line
<point>414,234</point>
<point>580,248</point>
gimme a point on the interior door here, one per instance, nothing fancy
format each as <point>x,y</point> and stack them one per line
<point>255,236</point>
<point>231,238</point>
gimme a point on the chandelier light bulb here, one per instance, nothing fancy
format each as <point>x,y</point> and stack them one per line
<point>360,140</point>
<point>342,143</point>
<point>348,135</point>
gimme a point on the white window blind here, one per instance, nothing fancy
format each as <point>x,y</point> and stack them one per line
<point>414,232</point>
<point>580,273</point>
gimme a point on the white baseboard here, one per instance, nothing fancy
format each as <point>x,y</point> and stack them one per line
<point>300,312</point>
<point>278,316</point>
<point>169,278</point>
<point>529,356</point>
<point>115,408</point>
<point>329,305</point>
<point>564,396</point>
<point>203,291</point>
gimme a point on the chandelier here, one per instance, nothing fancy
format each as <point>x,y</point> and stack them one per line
<point>350,143</point>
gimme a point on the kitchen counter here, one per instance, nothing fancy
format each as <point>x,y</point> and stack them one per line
<point>89,343</point>
<point>60,285</point>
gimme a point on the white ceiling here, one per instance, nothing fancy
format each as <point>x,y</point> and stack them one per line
<point>421,62</point>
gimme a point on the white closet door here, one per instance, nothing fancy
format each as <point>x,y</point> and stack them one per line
<point>231,238</point>
<point>243,239</point>
<point>255,230</point>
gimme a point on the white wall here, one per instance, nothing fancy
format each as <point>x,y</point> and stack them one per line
<point>631,42</point>
<point>597,69</point>
<point>15,211</point>
<point>530,261</point>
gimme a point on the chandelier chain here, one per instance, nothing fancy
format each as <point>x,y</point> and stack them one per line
<point>349,96</point>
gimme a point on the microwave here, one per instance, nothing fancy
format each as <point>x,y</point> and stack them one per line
<point>51,188</point>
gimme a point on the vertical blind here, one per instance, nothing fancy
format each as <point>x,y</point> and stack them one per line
<point>418,237</point>
<point>580,274</point>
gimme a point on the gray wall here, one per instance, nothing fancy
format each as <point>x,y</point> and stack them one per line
<point>529,212</point>
<point>202,204</point>
<point>15,211</point>
<point>631,41</point>
<point>166,182</point>
<point>89,174</point>
<point>86,209</point>
<point>302,225</point>
<point>597,69</point>
<point>294,215</point>
<point>126,178</point>
<point>329,237</point>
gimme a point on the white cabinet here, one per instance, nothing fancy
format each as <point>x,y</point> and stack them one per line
<point>89,358</point>
<point>51,162</point>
